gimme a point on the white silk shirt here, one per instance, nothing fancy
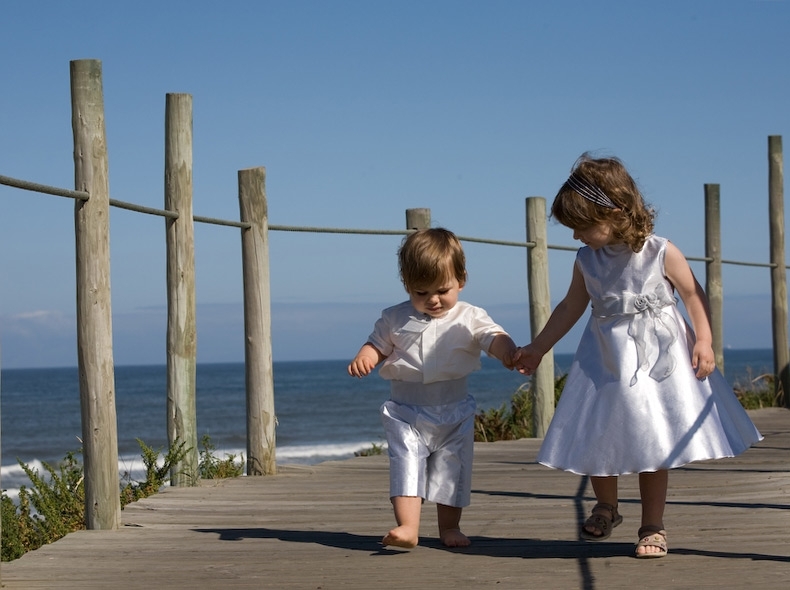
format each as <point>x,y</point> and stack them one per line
<point>422,349</point>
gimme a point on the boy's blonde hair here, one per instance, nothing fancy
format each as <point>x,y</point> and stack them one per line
<point>428,256</point>
<point>631,220</point>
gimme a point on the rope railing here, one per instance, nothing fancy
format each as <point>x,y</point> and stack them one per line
<point>142,209</point>
<point>43,188</point>
<point>394,232</point>
<point>83,196</point>
<point>215,221</point>
<point>763,264</point>
<point>340,230</point>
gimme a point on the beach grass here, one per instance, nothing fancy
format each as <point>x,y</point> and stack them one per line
<point>54,504</point>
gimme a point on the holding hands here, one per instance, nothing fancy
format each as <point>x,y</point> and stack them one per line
<point>504,349</point>
<point>526,359</point>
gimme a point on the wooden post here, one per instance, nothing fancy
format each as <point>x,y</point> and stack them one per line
<point>418,218</point>
<point>776,224</point>
<point>713,274</point>
<point>181,314</point>
<point>539,312</point>
<point>94,310</point>
<point>257,323</point>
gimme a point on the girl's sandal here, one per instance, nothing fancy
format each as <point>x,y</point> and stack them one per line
<point>652,536</point>
<point>599,520</point>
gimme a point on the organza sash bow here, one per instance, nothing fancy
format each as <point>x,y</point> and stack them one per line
<point>649,324</point>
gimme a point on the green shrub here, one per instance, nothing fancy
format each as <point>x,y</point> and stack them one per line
<point>212,467</point>
<point>155,475</point>
<point>16,532</point>
<point>373,450</point>
<point>49,510</point>
<point>758,393</point>
<point>515,422</point>
<point>55,505</point>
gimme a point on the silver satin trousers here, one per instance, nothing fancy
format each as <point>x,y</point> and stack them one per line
<point>431,449</point>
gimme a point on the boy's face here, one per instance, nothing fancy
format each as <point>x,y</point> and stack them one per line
<point>437,299</point>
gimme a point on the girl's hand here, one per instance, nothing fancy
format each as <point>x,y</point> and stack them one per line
<point>703,360</point>
<point>526,359</point>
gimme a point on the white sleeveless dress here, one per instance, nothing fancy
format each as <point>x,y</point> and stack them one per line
<point>631,402</point>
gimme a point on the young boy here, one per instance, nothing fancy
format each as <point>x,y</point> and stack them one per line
<point>428,346</point>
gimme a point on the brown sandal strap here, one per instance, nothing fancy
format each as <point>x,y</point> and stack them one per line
<point>612,510</point>
<point>601,523</point>
<point>600,506</point>
<point>599,520</point>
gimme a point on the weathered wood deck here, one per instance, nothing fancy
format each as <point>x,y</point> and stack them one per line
<point>319,528</point>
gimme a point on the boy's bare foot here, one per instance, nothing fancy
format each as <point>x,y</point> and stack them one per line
<point>455,538</point>
<point>401,536</point>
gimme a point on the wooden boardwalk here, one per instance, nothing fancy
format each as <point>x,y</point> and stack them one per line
<point>318,528</point>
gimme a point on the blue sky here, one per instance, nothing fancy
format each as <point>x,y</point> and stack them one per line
<point>360,110</point>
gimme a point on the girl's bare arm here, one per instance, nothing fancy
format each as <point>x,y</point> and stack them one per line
<point>562,319</point>
<point>692,294</point>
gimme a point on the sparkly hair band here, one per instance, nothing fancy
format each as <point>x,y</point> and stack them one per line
<point>589,191</point>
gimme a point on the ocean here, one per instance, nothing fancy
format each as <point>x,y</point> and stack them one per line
<point>322,413</point>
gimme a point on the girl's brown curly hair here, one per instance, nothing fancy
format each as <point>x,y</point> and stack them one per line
<point>631,221</point>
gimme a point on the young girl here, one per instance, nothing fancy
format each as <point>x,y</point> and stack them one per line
<point>429,344</point>
<point>643,394</point>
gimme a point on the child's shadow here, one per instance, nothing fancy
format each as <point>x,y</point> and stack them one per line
<point>536,548</point>
<point>494,547</point>
<point>340,540</point>
<point>487,546</point>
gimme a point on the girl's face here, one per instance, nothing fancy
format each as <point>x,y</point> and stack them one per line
<point>595,236</point>
<point>437,299</point>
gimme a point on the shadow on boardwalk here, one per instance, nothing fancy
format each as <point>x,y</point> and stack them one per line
<point>319,528</point>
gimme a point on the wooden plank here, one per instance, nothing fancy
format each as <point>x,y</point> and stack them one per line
<point>320,526</point>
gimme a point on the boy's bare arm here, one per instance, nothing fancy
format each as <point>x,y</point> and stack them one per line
<point>366,360</point>
<point>503,348</point>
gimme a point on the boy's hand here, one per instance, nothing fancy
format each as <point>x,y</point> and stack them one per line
<point>503,348</point>
<point>526,359</point>
<point>361,367</point>
<point>507,359</point>
<point>366,360</point>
